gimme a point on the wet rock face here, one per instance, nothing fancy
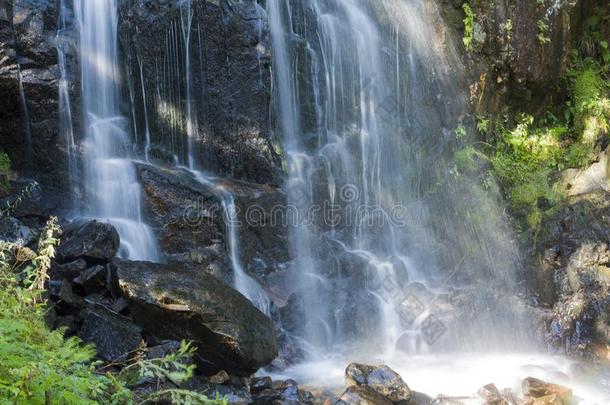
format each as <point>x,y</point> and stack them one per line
<point>230,84</point>
<point>188,219</point>
<point>14,231</point>
<point>180,302</point>
<point>521,61</point>
<point>575,255</point>
<point>362,395</point>
<point>186,216</point>
<point>30,131</point>
<point>541,392</point>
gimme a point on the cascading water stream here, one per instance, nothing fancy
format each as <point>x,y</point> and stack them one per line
<point>243,283</point>
<point>186,20</point>
<point>419,273</point>
<point>66,123</point>
<point>112,189</point>
<point>146,123</point>
<point>26,117</point>
<point>375,107</point>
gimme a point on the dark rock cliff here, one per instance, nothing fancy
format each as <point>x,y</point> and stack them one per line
<point>29,109</point>
<point>521,49</point>
<point>229,83</point>
<point>230,88</point>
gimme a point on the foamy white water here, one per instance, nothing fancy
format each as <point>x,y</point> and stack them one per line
<point>458,374</point>
<point>113,192</point>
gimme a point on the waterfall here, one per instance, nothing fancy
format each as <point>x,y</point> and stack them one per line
<point>66,123</point>
<point>186,19</point>
<point>27,123</point>
<point>146,123</point>
<point>242,282</point>
<point>367,114</point>
<point>112,189</point>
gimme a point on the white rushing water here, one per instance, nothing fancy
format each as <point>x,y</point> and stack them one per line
<point>420,273</point>
<point>112,189</point>
<point>458,375</point>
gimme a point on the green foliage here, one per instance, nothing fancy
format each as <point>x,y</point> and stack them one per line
<point>41,366</point>
<point>460,132</point>
<point>5,162</point>
<point>38,365</point>
<point>184,397</point>
<point>523,161</point>
<point>507,27</point>
<point>483,124</point>
<point>468,38</point>
<point>527,153</point>
<point>5,169</point>
<point>465,160</point>
<point>173,367</point>
<point>543,31</point>
<point>590,102</point>
<point>21,195</point>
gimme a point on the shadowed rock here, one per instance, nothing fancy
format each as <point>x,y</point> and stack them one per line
<point>176,301</point>
<point>90,240</point>
<point>114,336</point>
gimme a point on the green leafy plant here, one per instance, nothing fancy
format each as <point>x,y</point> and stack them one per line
<point>38,365</point>
<point>41,366</point>
<point>543,30</point>
<point>5,169</point>
<point>507,27</point>
<point>184,397</point>
<point>468,38</point>
<point>460,132</point>
<point>483,124</point>
<point>173,367</point>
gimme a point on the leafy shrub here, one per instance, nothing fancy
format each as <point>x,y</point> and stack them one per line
<point>40,366</point>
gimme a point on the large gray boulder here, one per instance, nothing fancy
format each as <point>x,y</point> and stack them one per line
<point>176,301</point>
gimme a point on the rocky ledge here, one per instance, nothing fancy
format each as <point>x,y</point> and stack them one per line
<point>120,305</point>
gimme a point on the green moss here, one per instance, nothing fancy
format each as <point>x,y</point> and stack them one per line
<point>590,102</point>
<point>465,160</point>
<point>586,88</point>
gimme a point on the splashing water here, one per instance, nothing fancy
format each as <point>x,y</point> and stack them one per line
<point>421,268</point>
